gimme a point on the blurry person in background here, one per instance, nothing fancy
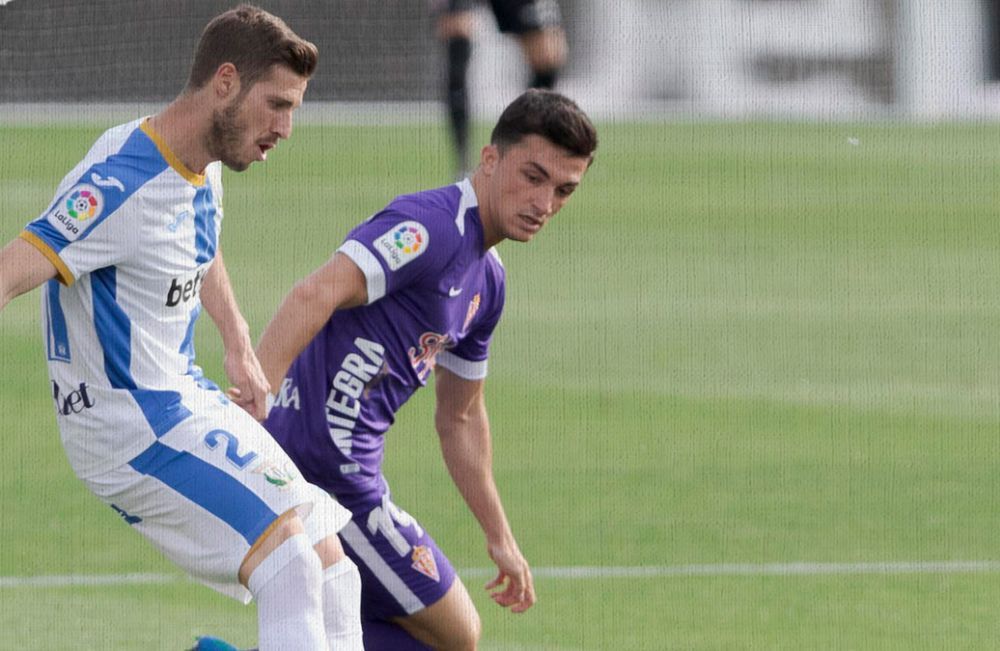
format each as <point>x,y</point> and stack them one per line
<point>537,25</point>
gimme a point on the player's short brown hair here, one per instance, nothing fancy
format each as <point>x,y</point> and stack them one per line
<point>253,40</point>
<point>550,115</point>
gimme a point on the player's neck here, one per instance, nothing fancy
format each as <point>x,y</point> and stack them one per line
<point>178,125</point>
<point>491,235</point>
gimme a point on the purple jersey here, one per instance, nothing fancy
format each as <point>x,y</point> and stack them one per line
<point>434,297</point>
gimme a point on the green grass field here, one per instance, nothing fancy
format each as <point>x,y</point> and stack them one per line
<point>738,344</point>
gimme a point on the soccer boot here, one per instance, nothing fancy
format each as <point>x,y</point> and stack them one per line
<point>208,643</point>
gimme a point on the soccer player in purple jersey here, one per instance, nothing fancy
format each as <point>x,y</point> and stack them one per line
<point>418,288</point>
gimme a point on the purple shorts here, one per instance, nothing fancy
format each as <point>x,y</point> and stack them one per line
<point>402,569</point>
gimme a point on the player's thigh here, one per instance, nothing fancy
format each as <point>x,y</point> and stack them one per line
<point>453,18</point>
<point>402,569</point>
<point>452,622</point>
<point>208,490</point>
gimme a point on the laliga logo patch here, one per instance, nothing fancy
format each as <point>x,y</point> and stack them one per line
<point>82,204</point>
<point>402,243</point>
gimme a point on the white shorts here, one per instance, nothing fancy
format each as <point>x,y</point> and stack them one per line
<point>206,491</point>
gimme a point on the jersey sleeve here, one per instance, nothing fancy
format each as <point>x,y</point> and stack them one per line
<point>88,225</point>
<point>395,249</point>
<point>468,359</point>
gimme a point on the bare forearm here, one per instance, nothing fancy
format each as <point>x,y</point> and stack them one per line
<point>249,388</point>
<point>22,268</point>
<point>468,454</point>
<point>220,302</point>
<point>464,430</point>
<point>337,284</point>
<point>293,326</point>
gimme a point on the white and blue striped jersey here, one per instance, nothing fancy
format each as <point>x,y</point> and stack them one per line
<point>132,233</point>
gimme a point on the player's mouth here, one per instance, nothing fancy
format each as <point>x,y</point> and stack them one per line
<point>533,224</point>
<point>264,147</point>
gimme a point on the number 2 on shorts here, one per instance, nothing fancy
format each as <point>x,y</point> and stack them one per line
<point>232,448</point>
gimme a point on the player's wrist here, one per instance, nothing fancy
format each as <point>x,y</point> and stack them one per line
<point>501,545</point>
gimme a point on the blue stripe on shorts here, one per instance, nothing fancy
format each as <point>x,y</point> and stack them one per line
<point>208,487</point>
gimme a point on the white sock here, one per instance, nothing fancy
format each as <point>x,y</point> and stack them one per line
<point>342,606</point>
<point>287,587</point>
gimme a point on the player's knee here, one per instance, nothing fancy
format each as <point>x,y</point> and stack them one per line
<point>287,585</point>
<point>455,25</point>
<point>286,526</point>
<point>545,50</point>
<point>462,632</point>
<point>468,633</point>
<point>330,550</point>
<point>295,566</point>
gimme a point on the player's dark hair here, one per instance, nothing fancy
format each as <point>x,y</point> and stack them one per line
<point>253,40</point>
<point>550,115</point>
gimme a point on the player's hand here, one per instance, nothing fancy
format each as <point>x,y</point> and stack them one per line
<point>513,586</point>
<point>250,387</point>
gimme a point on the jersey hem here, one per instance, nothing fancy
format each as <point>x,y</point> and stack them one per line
<point>370,267</point>
<point>463,368</point>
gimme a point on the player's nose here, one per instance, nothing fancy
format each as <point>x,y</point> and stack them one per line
<point>282,125</point>
<point>542,201</point>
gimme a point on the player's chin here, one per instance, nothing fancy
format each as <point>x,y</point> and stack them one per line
<point>522,235</point>
<point>236,165</point>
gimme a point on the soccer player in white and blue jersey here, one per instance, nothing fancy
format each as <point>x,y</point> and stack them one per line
<point>128,254</point>
<point>419,288</point>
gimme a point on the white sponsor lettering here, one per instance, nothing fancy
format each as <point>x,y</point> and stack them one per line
<point>342,405</point>
<point>288,396</point>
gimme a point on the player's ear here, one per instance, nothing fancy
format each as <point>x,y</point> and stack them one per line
<point>488,158</point>
<point>226,81</point>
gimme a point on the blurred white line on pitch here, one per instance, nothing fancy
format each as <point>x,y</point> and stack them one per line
<point>576,572</point>
<point>753,569</point>
<point>83,580</point>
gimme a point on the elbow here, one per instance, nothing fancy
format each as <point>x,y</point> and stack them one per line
<point>310,300</point>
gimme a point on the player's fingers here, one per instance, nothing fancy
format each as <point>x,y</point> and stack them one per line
<point>245,403</point>
<point>259,396</point>
<point>522,591</point>
<point>527,601</point>
<point>495,582</point>
<point>244,400</point>
<point>504,599</point>
<point>517,590</point>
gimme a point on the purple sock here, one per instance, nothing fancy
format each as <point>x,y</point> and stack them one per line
<point>386,636</point>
